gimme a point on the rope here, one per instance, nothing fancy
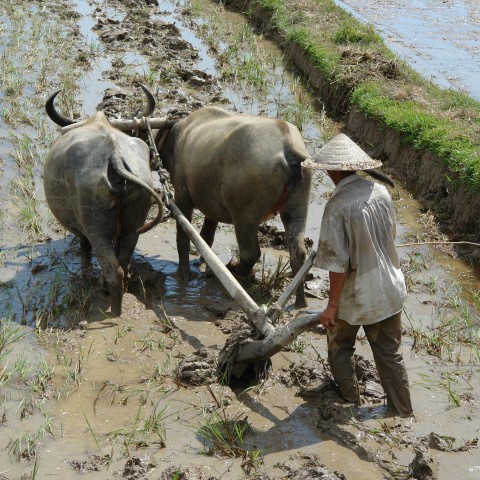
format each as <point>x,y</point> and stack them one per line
<point>143,123</point>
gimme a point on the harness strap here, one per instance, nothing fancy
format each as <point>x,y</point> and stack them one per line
<point>277,206</point>
<point>156,160</point>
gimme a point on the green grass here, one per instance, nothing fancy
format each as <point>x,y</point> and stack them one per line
<point>424,131</point>
<point>10,333</point>
<point>24,447</point>
<point>351,32</point>
<point>224,435</point>
<point>144,433</point>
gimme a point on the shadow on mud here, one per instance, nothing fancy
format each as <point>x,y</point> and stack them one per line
<point>50,285</point>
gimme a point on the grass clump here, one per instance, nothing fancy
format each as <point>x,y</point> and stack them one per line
<point>351,32</point>
<point>24,447</point>
<point>10,333</point>
<point>271,281</point>
<point>225,435</point>
<point>423,130</point>
<point>142,433</point>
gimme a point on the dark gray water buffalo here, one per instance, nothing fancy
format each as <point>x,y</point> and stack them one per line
<point>98,185</point>
<point>241,170</point>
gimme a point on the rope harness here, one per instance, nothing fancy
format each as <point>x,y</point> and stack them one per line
<point>156,161</point>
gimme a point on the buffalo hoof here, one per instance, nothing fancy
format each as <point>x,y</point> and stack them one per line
<point>183,275</point>
<point>116,310</point>
<point>239,270</point>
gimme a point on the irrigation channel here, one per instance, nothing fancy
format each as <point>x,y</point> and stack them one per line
<point>88,394</point>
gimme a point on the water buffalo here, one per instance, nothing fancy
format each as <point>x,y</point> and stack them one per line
<point>98,185</point>
<point>241,170</point>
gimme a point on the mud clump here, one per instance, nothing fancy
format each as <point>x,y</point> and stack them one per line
<point>270,236</point>
<point>310,467</point>
<point>200,368</point>
<point>423,467</point>
<point>190,473</point>
<point>445,444</point>
<point>304,373</point>
<point>94,464</point>
<point>136,468</point>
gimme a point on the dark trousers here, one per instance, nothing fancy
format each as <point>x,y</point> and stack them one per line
<point>385,339</point>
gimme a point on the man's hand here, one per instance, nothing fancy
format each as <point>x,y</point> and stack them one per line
<point>327,317</point>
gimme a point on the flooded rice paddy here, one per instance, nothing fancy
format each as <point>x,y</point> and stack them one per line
<point>439,39</point>
<point>89,394</point>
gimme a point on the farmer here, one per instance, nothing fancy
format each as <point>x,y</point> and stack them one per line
<point>367,287</point>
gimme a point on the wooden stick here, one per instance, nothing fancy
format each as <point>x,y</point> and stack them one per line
<point>155,123</point>
<point>126,125</point>
<point>255,313</point>
<point>438,243</point>
<point>275,310</point>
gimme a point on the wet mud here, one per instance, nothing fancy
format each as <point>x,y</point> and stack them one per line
<point>139,396</point>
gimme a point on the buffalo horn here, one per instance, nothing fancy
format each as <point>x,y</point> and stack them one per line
<point>378,175</point>
<point>55,116</point>
<point>149,109</point>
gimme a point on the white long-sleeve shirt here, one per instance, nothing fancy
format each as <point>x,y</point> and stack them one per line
<point>357,237</point>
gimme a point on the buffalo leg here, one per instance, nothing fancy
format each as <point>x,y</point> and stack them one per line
<point>125,248</point>
<point>85,248</point>
<point>183,242</point>
<point>111,269</point>
<point>294,219</point>
<point>208,231</point>
<point>248,246</point>
<point>132,217</point>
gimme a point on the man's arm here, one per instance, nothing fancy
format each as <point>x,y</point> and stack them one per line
<point>327,317</point>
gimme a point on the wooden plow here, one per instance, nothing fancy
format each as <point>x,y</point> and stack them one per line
<point>248,352</point>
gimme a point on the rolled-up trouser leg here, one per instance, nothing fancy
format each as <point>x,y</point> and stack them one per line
<point>385,340</point>
<point>341,347</point>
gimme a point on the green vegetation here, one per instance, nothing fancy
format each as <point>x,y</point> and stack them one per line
<point>273,280</point>
<point>224,434</point>
<point>150,432</point>
<point>31,67</point>
<point>361,73</point>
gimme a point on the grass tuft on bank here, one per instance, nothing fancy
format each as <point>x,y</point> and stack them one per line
<point>355,61</point>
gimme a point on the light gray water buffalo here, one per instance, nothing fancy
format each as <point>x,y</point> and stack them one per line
<point>241,170</point>
<point>98,185</point>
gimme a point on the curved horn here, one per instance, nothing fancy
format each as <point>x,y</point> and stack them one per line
<point>378,175</point>
<point>55,116</point>
<point>149,109</point>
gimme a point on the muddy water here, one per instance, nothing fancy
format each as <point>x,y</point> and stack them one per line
<point>440,39</point>
<point>117,356</point>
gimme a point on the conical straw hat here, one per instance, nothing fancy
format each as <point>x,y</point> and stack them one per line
<point>341,153</point>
